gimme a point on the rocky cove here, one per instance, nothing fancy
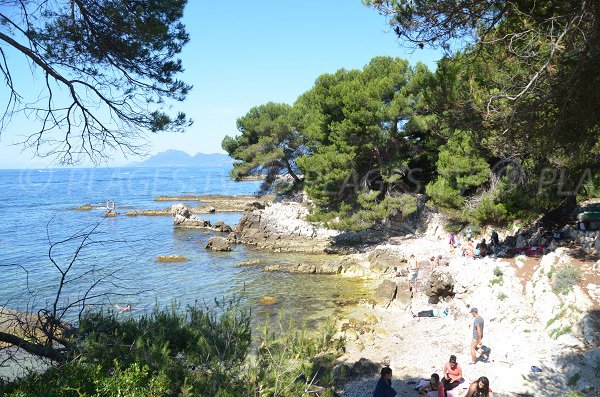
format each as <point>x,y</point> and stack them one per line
<point>529,324</point>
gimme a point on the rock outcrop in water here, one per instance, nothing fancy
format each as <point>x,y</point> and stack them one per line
<point>217,243</point>
<point>183,217</point>
<point>282,227</point>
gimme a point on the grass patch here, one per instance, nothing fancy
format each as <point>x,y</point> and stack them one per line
<point>558,316</point>
<point>573,393</point>
<point>557,332</point>
<point>498,277</point>
<point>565,279</point>
<point>502,296</point>
<point>171,259</point>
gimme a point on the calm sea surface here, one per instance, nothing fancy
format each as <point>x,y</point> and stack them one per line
<point>119,256</point>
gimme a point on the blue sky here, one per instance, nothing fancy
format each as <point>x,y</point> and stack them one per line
<point>243,54</point>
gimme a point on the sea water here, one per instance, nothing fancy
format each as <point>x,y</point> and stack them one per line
<point>42,237</point>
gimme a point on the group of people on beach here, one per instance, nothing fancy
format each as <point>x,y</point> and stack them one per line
<point>452,376</point>
<point>469,248</point>
<point>413,267</point>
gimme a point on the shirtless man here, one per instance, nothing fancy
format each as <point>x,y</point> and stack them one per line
<point>413,272</point>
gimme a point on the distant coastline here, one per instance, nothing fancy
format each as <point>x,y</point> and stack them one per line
<point>178,158</point>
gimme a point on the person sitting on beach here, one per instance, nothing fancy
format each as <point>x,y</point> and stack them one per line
<point>480,388</point>
<point>413,272</point>
<point>433,387</point>
<point>123,309</point>
<point>384,384</point>
<point>433,261</point>
<point>484,248</point>
<point>452,374</point>
<point>468,249</point>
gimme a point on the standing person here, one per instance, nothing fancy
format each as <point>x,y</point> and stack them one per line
<point>452,375</point>
<point>452,241</point>
<point>384,384</point>
<point>477,334</point>
<point>480,388</point>
<point>495,239</point>
<point>413,272</point>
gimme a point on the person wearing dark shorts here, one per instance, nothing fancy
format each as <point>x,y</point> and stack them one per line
<point>477,334</point>
<point>452,374</point>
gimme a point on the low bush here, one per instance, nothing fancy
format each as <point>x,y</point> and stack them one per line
<point>565,279</point>
<point>199,351</point>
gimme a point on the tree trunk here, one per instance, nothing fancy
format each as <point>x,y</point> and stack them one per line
<point>33,348</point>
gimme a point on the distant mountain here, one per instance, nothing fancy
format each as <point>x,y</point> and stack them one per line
<point>178,158</point>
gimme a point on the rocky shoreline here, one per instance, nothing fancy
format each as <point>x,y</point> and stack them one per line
<point>527,323</point>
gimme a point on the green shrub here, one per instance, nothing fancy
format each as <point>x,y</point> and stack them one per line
<point>502,296</point>
<point>443,194</point>
<point>367,212</point>
<point>200,351</point>
<point>572,381</point>
<point>565,279</point>
<point>498,272</point>
<point>286,361</point>
<point>490,213</point>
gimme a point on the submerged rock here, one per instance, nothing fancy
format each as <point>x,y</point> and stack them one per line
<point>268,300</point>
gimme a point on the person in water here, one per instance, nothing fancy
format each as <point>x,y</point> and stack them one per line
<point>384,384</point>
<point>123,309</point>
